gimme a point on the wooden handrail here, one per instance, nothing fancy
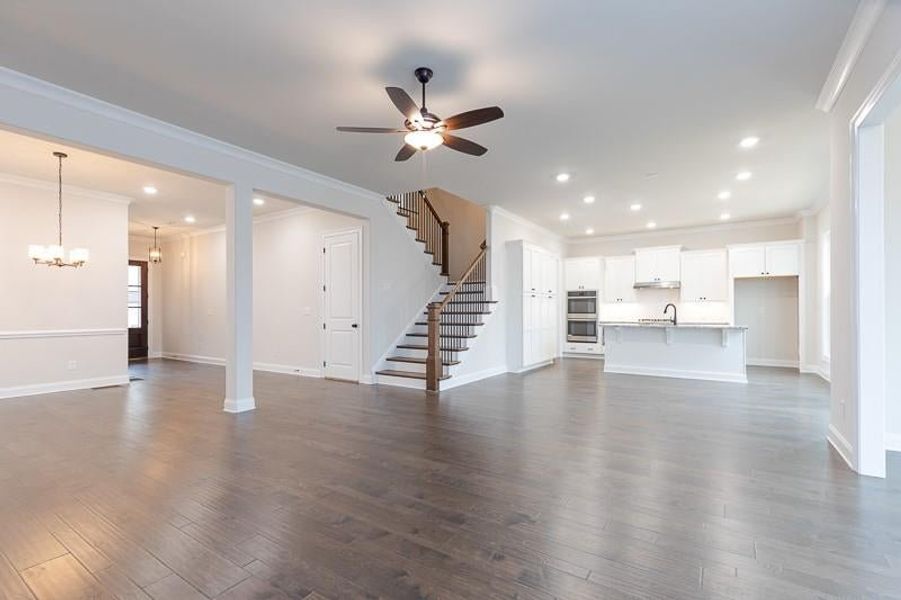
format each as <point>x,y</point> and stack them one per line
<point>462,324</point>
<point>445,234</point>
<point>430,228</point>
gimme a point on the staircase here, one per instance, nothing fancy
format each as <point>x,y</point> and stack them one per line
<point>435,346</point>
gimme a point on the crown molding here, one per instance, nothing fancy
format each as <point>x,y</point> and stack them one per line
<point>856,38</point>
<point>495,209</point>
<point>68,190</point>
<point>643,235</point>
<point>55,93</point>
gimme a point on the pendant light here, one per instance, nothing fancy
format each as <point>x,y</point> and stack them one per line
<point>156,253</point>
<point>54,255</point>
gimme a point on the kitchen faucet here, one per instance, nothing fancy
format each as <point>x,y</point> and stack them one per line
<point>666,309</point>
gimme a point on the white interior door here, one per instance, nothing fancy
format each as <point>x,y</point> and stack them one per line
<point>342,305</point>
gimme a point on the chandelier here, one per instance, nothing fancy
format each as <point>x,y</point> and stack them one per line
<point>156,253</point>
<point>55,255</point>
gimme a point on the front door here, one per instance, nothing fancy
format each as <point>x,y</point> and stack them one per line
<point>137,309</point>
<point>341,305</point>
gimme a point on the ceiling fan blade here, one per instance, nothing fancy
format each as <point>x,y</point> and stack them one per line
<point>471,118</point>
<point>463,145</point>
<point>371,130</point>
<point>405,153</point>
<point>402,101</point>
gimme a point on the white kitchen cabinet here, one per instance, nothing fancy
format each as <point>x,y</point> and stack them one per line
<point>538,311</point>
<point>705,276</point>
<point>655,265</point>
<point>777,259</point>
<point>583,348</point>
<point>619,279</point>
<point>584,274</point>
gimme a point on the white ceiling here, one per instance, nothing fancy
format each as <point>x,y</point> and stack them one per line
<point>177,195</point>
<point>609,90</point>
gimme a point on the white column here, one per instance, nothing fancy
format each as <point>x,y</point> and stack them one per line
<point>239,289</point>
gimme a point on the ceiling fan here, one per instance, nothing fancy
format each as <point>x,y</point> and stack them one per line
<point>425,130</point>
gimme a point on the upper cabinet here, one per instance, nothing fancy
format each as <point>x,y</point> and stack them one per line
<point>657,265</point>
<point>704,276</point>
<point>584,274</point>
<point>619,279</point>
<point>777,259</point>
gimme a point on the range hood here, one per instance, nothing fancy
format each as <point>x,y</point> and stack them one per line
<point>657,285</point>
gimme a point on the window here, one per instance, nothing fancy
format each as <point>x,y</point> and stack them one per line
<point>826,294</point>
<point>134,297</point>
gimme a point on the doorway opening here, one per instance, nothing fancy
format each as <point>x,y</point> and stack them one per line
<point>138,337</point>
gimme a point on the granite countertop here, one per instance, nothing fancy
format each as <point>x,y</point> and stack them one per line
<point>665,325</point>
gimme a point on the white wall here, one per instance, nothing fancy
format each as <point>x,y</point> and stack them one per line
<point>467,228</point>
<point>287,291</point>
<point>872,63</point>
<point>768,307</point>
<point>138,249</point>
<point>893,279</point>
<point>61,328</point>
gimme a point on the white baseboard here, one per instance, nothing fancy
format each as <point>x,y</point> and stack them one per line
<point>156,354</point>
<point>772,362</point>
<point>404,382</point>
<point>257,366</point>
<point>367,379</point>
<point>239,405</point>
<point>672,373</point>
<point>458,380</point>
<point>893,442</point>
<point>818,370</point>
<point>841,445</point>
<point>533,367</point>
<point>62,386</point>
<point>583,355</point>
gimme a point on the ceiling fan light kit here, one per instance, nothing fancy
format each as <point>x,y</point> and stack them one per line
<point>425,130</point>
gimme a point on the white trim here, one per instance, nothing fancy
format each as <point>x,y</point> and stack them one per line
<point>528,368</point>
<point>257,366</point>
<point>821,371</point>
<point>582,355</point>
<point>893,442</point>
<point>62,386</point>
<point>68,190</point>
<point>239,405</point>
<point>639,235</point>
<point>59,333</point>
<point>772,362</point>
<point>367,379</point>
<point>771,243</point>
<point>856,38</point>
<point>403,382</point>
<point>841,445</point>
<point>458,380</point>
<point>493,208</point>
<point>672,373</point>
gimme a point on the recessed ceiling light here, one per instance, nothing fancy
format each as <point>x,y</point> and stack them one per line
<point>635,207</point>
<point>749,142</point>
<point>725,217</point>
<point>588,199</point>
<point>259,201</point>
<point>743,175</point>
<point>589,231</point>
<point>562,177</point>
<point>190,219</point>
<point>724,195</point>
<point>150,190</point>
<point>564,216</point>
<point>651,225</point>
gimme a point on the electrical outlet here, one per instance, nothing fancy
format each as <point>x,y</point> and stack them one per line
<point>73,364</point>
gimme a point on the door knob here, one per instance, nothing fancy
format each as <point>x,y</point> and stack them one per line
<point>354,325</point>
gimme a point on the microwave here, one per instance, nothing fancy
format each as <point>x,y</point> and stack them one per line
<point>582,305</point>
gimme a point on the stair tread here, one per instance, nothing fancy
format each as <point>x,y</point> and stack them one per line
<point>407,374</point>
<point>462,312</point>
<point>425,347</point>
<point>420,361</point>
<point>473,302</point>
<point>463,292</point>
<point>443,335</point>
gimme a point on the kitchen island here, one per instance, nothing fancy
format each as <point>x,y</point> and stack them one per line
<point>710,351</point>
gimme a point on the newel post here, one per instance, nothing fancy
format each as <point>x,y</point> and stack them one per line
<point>433,365</point>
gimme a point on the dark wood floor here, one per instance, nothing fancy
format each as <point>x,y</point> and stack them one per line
<point>563,483</point>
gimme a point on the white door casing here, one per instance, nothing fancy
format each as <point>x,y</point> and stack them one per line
<point>342,304</point>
